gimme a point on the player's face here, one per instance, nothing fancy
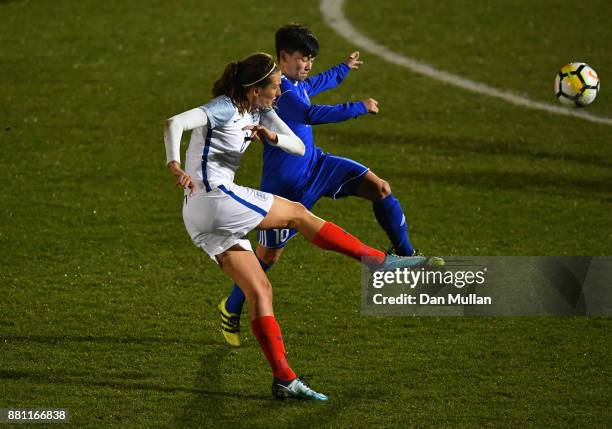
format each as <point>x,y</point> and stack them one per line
<point>296,66</point>
<point>264,97</point>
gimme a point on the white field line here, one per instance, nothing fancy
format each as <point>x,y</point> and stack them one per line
<point>335,19</point>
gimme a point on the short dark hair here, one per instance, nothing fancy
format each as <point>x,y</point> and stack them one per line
<point>296,37</point>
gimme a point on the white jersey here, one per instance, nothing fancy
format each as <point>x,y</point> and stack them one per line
<point>218,140</point>
<point>220,213</point>
<point>215,151</point>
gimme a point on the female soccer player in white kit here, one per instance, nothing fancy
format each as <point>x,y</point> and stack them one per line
<point>218,213</point>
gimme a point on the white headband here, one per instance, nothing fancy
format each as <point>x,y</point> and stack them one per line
<point>261,78</point>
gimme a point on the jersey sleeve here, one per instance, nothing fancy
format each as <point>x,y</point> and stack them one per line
<point>173,131</point>
<point>295,109</point>
<point>219,111</point>
<point>329,79</point>
<point>287,140</point>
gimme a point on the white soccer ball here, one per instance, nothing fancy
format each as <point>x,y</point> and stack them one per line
<point>576,84</point>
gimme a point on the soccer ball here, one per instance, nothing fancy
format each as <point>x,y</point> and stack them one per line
<point>576,84</point>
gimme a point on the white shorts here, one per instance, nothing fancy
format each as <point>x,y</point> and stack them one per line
<point>221,218</point>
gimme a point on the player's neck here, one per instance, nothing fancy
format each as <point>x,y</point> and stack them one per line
<point>251,99</point>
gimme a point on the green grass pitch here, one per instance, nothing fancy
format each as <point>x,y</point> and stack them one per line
<point>109,311</point>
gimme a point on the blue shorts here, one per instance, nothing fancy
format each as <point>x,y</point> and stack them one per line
<point>333,177</point>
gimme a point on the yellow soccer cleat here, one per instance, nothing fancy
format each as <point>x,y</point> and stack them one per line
<point>230,325</point>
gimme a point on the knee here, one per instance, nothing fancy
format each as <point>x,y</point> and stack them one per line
<point>374,188</point>
<point>299,213</point>
<point>300,210</point>
<point>384,189</point>
<point>261,292</point>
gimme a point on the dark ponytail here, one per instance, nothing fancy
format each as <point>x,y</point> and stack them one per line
<point>239,76</point>
<point>227,83</point>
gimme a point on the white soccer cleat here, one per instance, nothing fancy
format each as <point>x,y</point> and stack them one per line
<point>297,389</point>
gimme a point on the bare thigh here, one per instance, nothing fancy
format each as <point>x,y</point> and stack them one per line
<point>289,214</point>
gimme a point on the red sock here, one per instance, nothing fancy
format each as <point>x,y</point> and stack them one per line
<point>332,237</point>
<point>270,339</point>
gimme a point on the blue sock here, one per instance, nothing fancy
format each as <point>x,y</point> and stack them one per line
<point>236,298</point>
<point>390,216</point>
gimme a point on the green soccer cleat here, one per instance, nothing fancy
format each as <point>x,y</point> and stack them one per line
<point>297,389</point>
<point>393,262</point>
<point>230,325</point>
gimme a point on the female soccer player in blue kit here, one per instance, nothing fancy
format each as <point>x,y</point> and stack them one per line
<point>316,174</point>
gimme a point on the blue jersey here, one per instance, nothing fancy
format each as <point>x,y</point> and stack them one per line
<point>287,175</point>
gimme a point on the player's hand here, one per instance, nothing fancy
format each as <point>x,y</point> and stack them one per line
<point>371,105</point>
<point>183,179</point>
<point>261,133</point>
<point>353,60</point>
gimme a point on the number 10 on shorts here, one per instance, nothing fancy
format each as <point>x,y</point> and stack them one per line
<point>281,235</point>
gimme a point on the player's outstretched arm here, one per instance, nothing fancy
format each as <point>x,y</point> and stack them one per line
<point>292,108</point>
<point>333,77</point>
